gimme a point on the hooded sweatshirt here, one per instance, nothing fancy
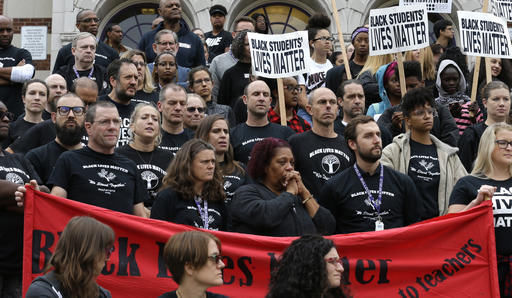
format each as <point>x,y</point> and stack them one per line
<point>464,119</point>
<point>376,109</point>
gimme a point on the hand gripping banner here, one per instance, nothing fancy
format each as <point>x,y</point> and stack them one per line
<point>449,256</point>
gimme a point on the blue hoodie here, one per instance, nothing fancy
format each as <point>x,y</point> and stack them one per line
<point>377,109</point>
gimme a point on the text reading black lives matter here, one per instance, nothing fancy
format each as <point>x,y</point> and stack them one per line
<point>397,30</point>
<point>484,37</point>
<point>278,57</point>
<point>502,9</point>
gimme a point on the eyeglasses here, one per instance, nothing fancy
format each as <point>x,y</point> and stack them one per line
<point>324,38</point>
<point>109,251</point>
<point>216,259</point>
<point>64,110</point>
<point>169,43</point>
<point>422,112</point>
<point>9,115</point>
<point>503,144</point>
<point>206,81</point>
<point>164,64</point>
<point>193,109</point>
<point>141,64</point>
<point>292,88</point>
<point>334,261</point>
<point>90,20</point>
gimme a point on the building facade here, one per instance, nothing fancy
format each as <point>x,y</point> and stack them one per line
<point>135,16</point>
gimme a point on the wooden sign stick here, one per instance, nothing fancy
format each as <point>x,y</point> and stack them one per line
<point>340,37</point>
<point>282,107</point>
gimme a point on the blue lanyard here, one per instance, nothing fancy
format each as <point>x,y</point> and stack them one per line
<point>375,203</point>
<point>78,75</point>
<point>203,212</point>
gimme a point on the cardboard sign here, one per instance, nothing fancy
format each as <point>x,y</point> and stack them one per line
<point>502,9</point>
<point>398,29</point>
<point>33,39</point>
<point>434,258</point>
<point>483,34</point>
<point>434,6</point>
<point>279,55</point>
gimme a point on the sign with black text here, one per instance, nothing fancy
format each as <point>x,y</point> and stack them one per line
<point>483,34</point>
<point>502,9</point>
<point>279,55</point>
<point>398,29</point>
<point>434,6</point>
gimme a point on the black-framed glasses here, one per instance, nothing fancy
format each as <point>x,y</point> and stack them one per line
<point>90,20</point>
<point>141,64</point>
<point>64,110</point>
<point>422,112</point>
<point>324,38</point>
<point>216,259</point>
<point>9,115</point>
<point>201,81</point>
<point>292,88</point>
<point>109,251</point>
<point>334,261</point>
<point>503,144</point>
<point>193,109</point>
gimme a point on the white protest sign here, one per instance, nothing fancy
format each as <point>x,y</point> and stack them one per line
<point>437,6</point>
<point>280,55</point>
<point>398,29</point>
<point>33,39</point>
<point>502,9</point>
<point>483,34</point>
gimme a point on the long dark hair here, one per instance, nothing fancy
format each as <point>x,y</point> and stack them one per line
<point>81,246</point>
<point>230,165</point>
<point>302,272</point>
<point>179,174</point>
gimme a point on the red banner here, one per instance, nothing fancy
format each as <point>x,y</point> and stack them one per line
<point>453,255</point>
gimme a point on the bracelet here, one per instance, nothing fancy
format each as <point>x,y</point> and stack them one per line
<point>306,200</point>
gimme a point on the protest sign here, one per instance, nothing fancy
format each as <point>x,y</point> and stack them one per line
<point>483,34</point>
<point>398,29</point>
<point>435,258</point>
<point>434,6</point>
<point>279,55</point>
<point>502,9</point>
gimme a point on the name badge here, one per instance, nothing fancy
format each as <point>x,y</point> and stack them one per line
<point>379,225</point>
<point>246,75</point>
<point>185,45</point>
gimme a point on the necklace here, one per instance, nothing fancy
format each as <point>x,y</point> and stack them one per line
<point>140,156</point>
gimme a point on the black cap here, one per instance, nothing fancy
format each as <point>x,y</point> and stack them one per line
<point>218,9</point>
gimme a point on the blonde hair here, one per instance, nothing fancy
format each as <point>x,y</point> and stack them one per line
<point>428,71</point>
<point>135,115</point>
<point>148,85</point>
<point>484,163</point>
<point>374,62</point>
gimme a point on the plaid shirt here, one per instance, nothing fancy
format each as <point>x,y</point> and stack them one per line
<point>296,123</point>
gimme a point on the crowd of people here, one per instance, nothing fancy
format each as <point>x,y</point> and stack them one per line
<point>180,130</point>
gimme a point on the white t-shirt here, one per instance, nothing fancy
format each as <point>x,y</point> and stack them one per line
<point>315,77</point>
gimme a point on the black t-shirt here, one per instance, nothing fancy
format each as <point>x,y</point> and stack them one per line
<point>172,142</point>
<point>104,56</point>
<point>16,169</point>
<point>142,96</point>
<point>425,172</point>
<point>170,206</point>
<point>385,134</point>
<point>125,112</point>
<point>174,295</point>
<point>233,83</point>
<point>346,198</point>
<point>43,158</point>
<point>244,137</point>
<point>40,134</point>
<point>336,75</point>
<point>217,44</point>
<point>106,180</point>
<point>18,128</point>
<point>468,144</point>
<point>11,94</point>
<point>466,189</point>
<point>233,181</point>
<point>151,166</point>
<point>97,73</point>
<point>318,158</point>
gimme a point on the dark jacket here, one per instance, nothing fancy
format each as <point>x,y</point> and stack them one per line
<point>257,210</point>
<point>49,286</point>
<point>104,56</point>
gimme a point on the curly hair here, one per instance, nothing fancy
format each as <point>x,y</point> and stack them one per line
<point>179,173</point>
<point>301,270</point>
<point>261,155</point>
<point>238,45</point>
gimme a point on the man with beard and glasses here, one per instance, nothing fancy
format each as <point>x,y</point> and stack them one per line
<point>369,196</point>
<point>123,75</point>
<point>69,126</point>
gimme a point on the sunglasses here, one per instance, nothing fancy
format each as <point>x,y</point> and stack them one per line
<point>193,109</point>
<point>64,110</point>
<point>216,259</point>
<point>334,261</point>
<point>9,115</point>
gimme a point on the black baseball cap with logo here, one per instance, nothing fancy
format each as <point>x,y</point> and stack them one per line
<point>218,9</point>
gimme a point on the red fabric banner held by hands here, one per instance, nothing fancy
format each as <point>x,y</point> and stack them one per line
<point>448,256</point>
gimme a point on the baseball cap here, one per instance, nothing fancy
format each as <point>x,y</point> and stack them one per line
<point>218,9</point>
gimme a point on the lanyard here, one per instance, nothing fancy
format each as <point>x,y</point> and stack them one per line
<point>375,203</point>
<point>203,212</point>
<point>78,75</point>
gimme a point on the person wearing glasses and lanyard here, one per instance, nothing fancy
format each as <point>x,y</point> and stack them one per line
<point>491,179</point>
<point>192,192</point>
<point>195,262</point>
<point>63,278</point>
<point>318,274</point>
